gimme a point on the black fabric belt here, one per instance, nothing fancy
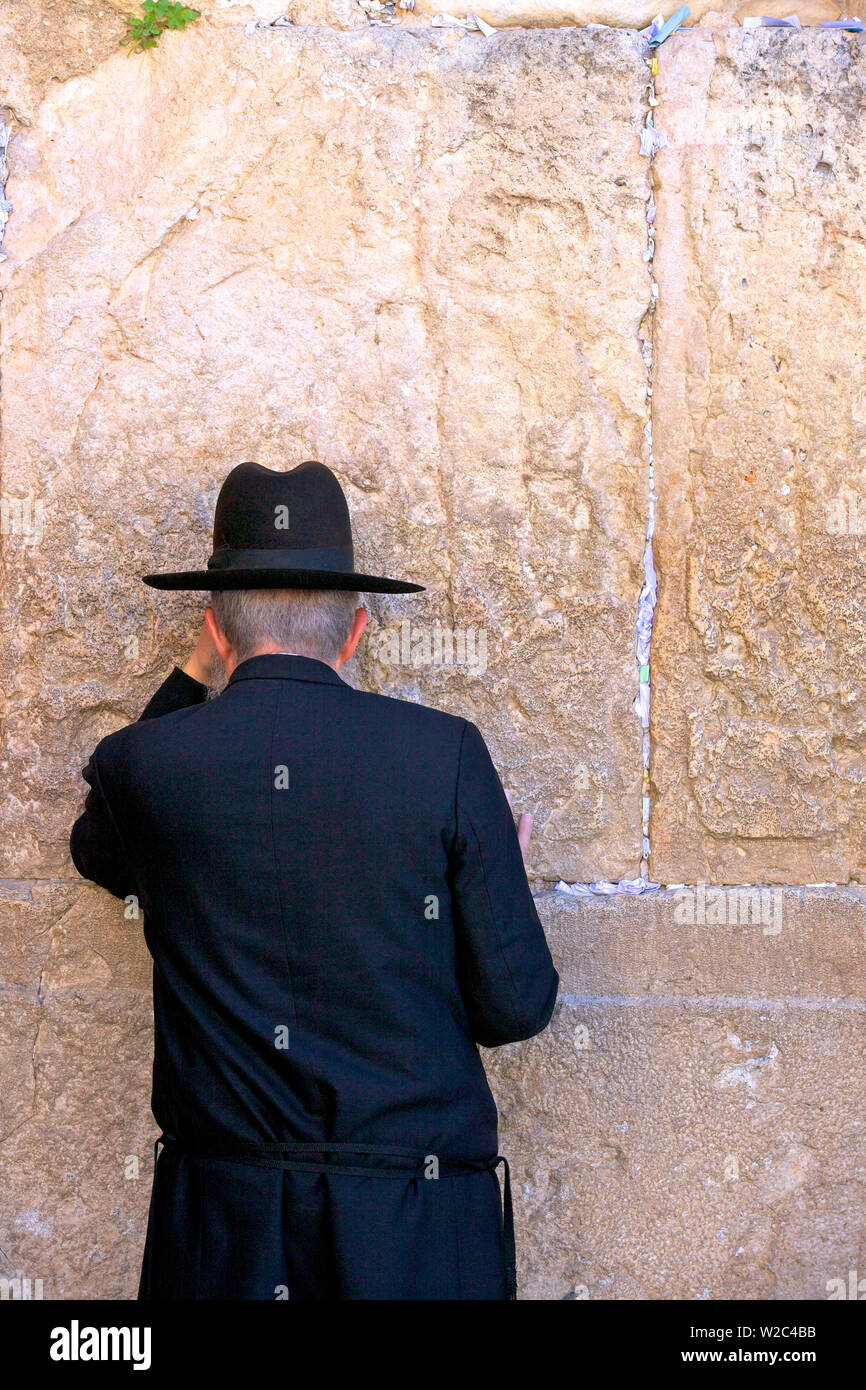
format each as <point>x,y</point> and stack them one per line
<point>302,1157</point>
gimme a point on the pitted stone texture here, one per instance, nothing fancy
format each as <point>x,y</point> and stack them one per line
<point>78,1158</point>
<point>62,934</point>
<point>401,254</point>
<point>43,42</point>
<point>46,41</point>
<point>689,1127</point>
<point>759,425</point>
<point>75,1124</point>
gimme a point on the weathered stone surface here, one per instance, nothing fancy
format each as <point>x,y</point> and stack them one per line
<point>627,14</point>
<point>50,41</point>
<point>809,12</point>
<point>75,1057</point>
<point>65,934</point>
<point>77,1145</point>
<point>361,248</point>
<point>46,41</point>
<point>759,426</point>
<point>690,1126</point>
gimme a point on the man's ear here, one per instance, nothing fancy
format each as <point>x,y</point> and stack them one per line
<point>359,622</point>
<point>220,641</point>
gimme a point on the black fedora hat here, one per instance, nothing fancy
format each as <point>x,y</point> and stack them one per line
<point>275,530</point>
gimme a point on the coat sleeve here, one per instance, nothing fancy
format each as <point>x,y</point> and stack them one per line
<point>96,844</point>
<point>506,973</point>
<point>176,692</point>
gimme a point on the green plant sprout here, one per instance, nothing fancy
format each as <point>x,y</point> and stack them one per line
<point>157,15</point>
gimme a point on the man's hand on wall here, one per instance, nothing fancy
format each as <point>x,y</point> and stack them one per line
<point>204,658</point>
<point>524,828</point>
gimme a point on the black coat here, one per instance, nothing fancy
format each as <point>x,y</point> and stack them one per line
<point>337,910</point>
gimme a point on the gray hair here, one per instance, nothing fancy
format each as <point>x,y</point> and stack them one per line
<point>310,622</point>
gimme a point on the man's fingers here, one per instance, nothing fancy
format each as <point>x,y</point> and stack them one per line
<point>524,826</point>
<point>524,831</point>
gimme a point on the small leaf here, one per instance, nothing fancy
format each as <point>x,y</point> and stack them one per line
<point>158,15</point>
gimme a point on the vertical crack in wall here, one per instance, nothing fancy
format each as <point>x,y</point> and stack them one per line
<point>5,205</point>
<point>650,142</point>
<point>5,209</point>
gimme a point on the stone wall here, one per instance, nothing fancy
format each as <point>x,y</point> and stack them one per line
<point>421,255</point>
<point>691,1124</point>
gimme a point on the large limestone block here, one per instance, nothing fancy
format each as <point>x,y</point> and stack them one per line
<point>690,1124</point>
<point>759,426</point>
<point>45,41</point>
<point>402,254</point>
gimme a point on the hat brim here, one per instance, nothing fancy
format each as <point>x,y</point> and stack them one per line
<point>279,579</point>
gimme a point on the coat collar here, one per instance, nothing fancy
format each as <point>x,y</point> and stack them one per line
<point>281,666</point>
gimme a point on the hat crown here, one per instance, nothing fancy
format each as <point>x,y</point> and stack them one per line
<point>278,529</point>
<point>261,508</point>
